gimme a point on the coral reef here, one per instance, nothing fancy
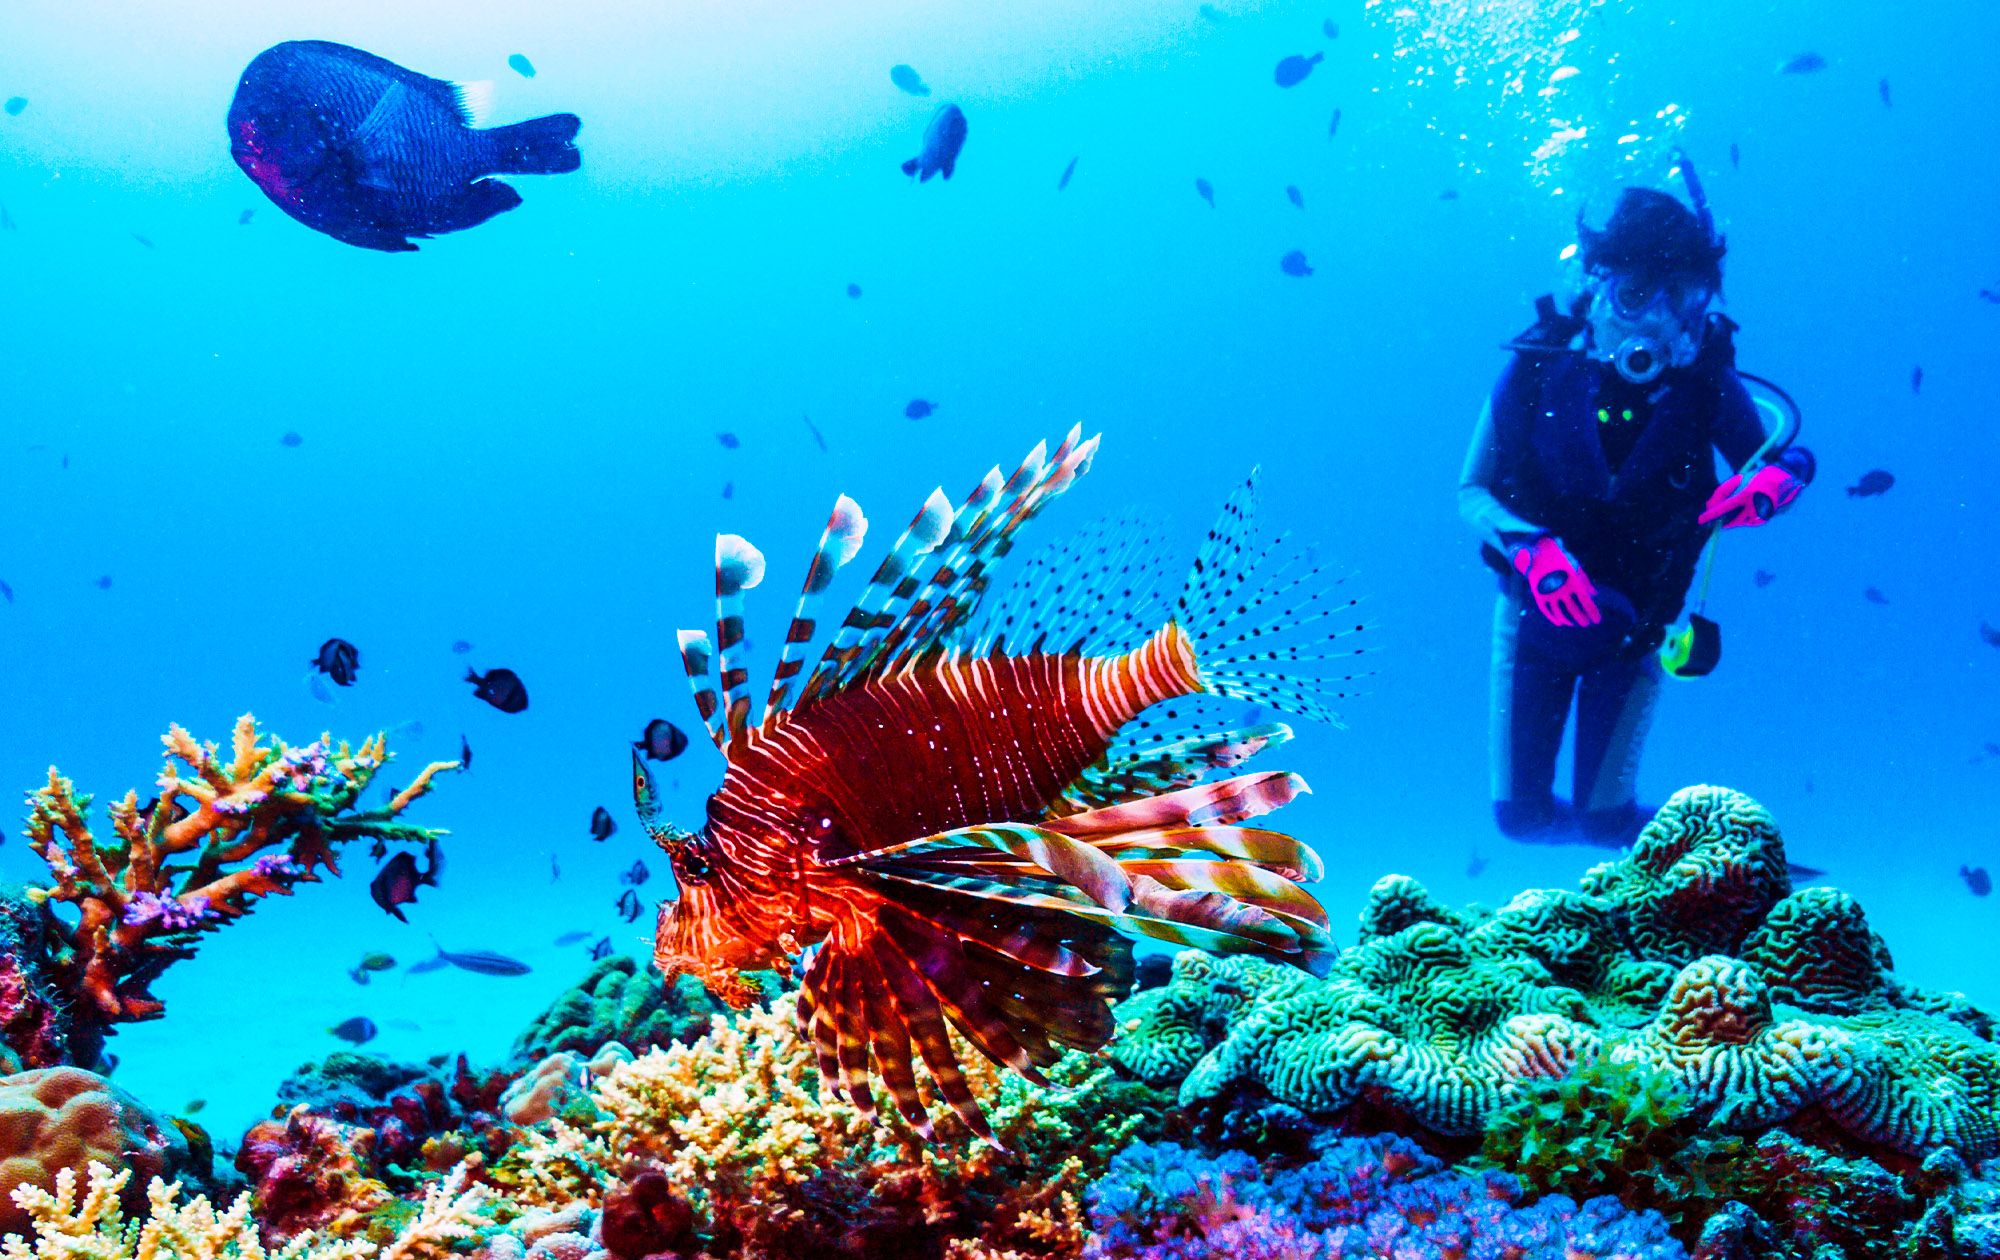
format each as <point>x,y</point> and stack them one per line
<point>225,830</point>
<point>98,1229</point>
<point>56,1120</point>
<point>423,1118</point>
<point>311,1175</point>
<point>620,1000</point>
<point>1378,1196</point>
<point>1438,1016</point>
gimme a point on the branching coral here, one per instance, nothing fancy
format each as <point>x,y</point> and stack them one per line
<point>226,829</point>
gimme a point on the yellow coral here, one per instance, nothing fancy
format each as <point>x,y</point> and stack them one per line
<point>96,1229</point>
<point>452,1212</point>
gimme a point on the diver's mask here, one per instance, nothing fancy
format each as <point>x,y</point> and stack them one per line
<point>1642,325</point>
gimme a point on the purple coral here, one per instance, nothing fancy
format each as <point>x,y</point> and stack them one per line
<point>276,866</point>
<point>169,913</point>
<point>302,765</point>
<point>1361,1197</point>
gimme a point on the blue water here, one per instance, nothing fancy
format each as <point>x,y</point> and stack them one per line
<point>510,437</point>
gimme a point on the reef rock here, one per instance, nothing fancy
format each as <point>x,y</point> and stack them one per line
<point>620,1000</point>
<point>63,1117</point>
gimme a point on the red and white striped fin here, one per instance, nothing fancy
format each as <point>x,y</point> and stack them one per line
<point>931,611</point>
<point>1220,804</point>
<point>1145,761</point>
<point>868,618</point>
<point>738,567</point>
<point>698,659</point>
<point>845,531</point>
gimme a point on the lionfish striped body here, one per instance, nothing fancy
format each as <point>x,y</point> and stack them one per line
<point>965,835</point>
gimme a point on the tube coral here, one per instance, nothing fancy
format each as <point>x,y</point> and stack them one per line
<point>225,830</point>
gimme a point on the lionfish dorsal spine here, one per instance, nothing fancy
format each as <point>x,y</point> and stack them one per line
<point>845,531</point>
<point>928,614</point>
<point>698,659</point>
<point>869,616</point>
<point>738,567</point>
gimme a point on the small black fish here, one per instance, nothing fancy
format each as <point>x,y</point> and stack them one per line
<point>464,753</point>
<point>460,647</point>
<point>359,1030</point>
<point>635,874</point>
<point>501,688</point>
<point>243,220</point>
<point>573,938</point>
<point>1804,63</point>
<point>853,289</point>
<point>1763,578</point>
<point>104,583</point>
<point>380,848</point>
<point>1917,379</point>
<point>628,905</point>
<point>601,826</point>
<point>1068,171</point>
<point>1293,70</point>
<point>663,741</point>
<point>483,962</point>
<point>1295,264</point>
<point>1293,195</point>
<point>371,153</point>
<point>1153,972</point>
<point>1205,190</point>
<point>1882,90</point>
<point>907,78</point>
<point>1977,881</point>
<point>396,884</point>
<point>729,441</point>
<point>146,241</point>
<point>1874,596</point>
<point>1735,157</point>
<point>338,659</point>
<point>289,438</point>
<point>944,137</point>
<point>555,869</point>
<point>1333,127</point>
<point>1989,633</point>
<point>1873,482</point>
<point>920,409</point>
<point>601,950</point>
<point>818,437</point>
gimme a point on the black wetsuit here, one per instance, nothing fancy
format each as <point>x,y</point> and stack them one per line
<point>1618,473</point>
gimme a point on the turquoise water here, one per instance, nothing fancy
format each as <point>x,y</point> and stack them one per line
<point>510,437</point>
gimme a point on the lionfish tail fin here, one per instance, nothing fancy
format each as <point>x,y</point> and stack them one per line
<point>1266,622</point>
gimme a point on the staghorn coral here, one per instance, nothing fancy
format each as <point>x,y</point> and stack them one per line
<point>1442,1019</point>
<point>57,1119</point>
<point>618,1000</point>
<point>97,1228</point>
<point>452,1212</point>
<point>1359,1197</point>
<point>738,1123</point>
<point>225,830</point>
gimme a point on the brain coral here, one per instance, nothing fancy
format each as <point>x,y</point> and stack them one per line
<point>57,1118</point>
<point>619,1000</point>
<point>1690,955</point>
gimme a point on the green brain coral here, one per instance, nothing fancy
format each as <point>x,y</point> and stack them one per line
<point>1689,958</point>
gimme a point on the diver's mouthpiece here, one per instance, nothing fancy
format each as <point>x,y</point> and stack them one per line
<point>1640,360</point>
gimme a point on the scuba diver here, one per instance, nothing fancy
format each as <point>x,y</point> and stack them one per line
<point>1592,485</point>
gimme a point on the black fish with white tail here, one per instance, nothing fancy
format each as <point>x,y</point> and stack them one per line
<point>943,139</point>
<point>501,688</point>
<point>372,154</point>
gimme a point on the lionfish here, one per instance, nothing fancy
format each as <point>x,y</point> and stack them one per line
<point>965,821</point>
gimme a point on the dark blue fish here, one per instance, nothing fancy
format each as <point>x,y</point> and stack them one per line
<point>1331,28</point>
<point>1763,578</point>
<point>339,660</point>
<point>360,1030</point>
<point>1295,264</point>
<point>1873,482</point>
<point>1917,379</point>
<point>907,78</point>
<point>1333,127</point>
<point>1735,157</point>
<point>943,138</point>
<point>373,154</point>
<point>15,104</point>
<point>1882,90</point>
<point>483,962</point>
<point>1449,194</point>
<point>602,828</point>
<point>501,688</point>
<point>144,240</point>
<point>730,441</point>
<point>464,753</point>
<point>1804,63</point>
<point>1153,972</point>
<point>1293,195</point>
<point>728,489</point>
<point>519,64</point>
<point>7,592</point>
<point>572,938</point>
<point>1989,633</point>
<point>1067,172</point>
<point>104,583</point>
<point>460,647</point>
<point>818,437</point>
<point>920,409</point>
<point>635,874</point>
<point>1977,881</point>
<point>1205,190</point>
<point>396,884</point>
<point>662,740</point>
<point>601,950</point>
<point>853,289</point>
<point>628,905</point>
<point>289,438</point>
<point>555,869</point>
<point>1874,596</point>
<point>243,220</point>
<point>1294,69</point>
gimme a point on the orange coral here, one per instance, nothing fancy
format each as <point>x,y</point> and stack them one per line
<point>224,831</point>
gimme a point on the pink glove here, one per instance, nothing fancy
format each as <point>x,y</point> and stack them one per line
<point>1753,500</point>
<point>1565,596</point>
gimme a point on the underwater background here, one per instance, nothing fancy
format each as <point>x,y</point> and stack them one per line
<point>513,437</point>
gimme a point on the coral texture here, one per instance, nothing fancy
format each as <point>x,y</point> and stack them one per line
<point>54,1120</point>
<point>619,1000</point>
<point>311,1175</point>
<point>1374,1197</point>
<point>1673,957</point>
<point>225,830</point>
<point>97,1228</point>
